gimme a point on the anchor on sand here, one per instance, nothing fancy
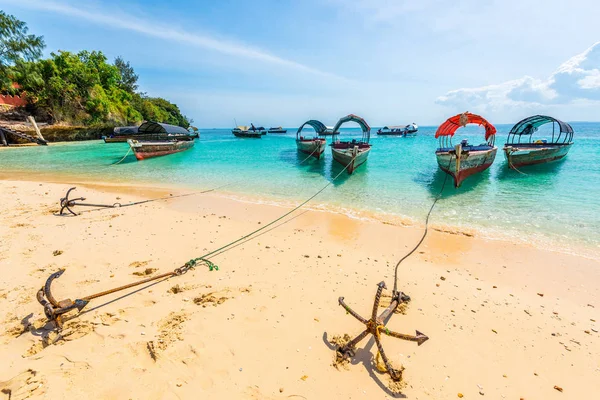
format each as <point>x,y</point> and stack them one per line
<point>376,325</point>
<point>67,203</point>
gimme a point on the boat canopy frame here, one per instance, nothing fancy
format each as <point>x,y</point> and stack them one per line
<point>366,129</point>
<point>318,126</point>
<point>528,126</point>
<point>446,131</point>
<point>158,127</point>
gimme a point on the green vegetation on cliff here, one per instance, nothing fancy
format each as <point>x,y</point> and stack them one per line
<point>82,88</point>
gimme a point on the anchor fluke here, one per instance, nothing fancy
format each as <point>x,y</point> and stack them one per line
<point>421,338</point>
<point>376,326</point>
<point>53,309</point>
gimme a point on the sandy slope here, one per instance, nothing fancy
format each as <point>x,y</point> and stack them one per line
<point>260,324</point>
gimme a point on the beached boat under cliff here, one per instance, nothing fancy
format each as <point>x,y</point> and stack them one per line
<point>149,130</point>
<point>154,148</point>
<point>351,154</point>
<point>463,160</point>
<point>521,151</point>
<point>311,145</point>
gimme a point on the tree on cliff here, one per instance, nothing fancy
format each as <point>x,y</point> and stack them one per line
<point>128,79</point>
<point>15,45</point>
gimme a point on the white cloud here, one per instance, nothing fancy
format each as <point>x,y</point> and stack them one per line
<point>577,79</point>
<point>155,29</point>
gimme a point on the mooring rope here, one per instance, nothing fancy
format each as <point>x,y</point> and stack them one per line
<point>125,156</point>
<point>437,197</point>
<point>515,168</point>
<point>204,258</point>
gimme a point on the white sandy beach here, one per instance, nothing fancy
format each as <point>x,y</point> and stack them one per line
<point>505,320</point>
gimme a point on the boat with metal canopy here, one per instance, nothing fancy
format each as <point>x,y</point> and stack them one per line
<point>521,153</point>
<point>409,130</point>
<point>149,130</point>
<point>315,145</point>
<point>464,159</point>
<point>351,154</point>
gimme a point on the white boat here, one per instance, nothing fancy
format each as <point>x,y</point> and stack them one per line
<point>464,160</point>
<point>351,154</point>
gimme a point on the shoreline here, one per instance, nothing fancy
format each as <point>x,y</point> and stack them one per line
<point>544,243</point>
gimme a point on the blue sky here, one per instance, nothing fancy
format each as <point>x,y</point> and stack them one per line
<point>392,62</point>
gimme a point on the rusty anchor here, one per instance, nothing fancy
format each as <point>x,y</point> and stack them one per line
<point>376,325</point>
<point>67,203</point>
<point>55,310</point>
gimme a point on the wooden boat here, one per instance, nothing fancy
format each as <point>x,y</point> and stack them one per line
<point>314,146</point>
<point>464,160</point>
<point>520,153</point>
<point>154,148</point>
<point>409,130</point>
<point>244,132</point>
<point>149,130</point>
<point>278,129</point>
<point>351,154</point>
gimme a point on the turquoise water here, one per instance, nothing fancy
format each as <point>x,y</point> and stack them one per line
<point>554,205</point>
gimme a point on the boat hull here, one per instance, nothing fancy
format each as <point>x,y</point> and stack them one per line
<point>470,162</point>
<point>244,134</point>
<point>148,136</point>
<point>313,147</point>
<point>144,150</point>
<point>277,131</point>
<point>532,154</point>
<point>353,157</point>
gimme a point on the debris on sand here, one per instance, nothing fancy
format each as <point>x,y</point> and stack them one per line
<point>146,272</point>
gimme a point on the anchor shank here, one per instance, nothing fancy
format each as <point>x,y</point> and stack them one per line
<point>387,312</point>
<point>118,289</point>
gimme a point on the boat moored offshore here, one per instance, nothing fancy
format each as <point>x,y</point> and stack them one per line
<point>313,146</point>
<point>463,160</point>
<point>521,153</point>
<point>351,154</point>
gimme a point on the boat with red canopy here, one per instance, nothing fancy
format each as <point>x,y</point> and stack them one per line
<point>351,154</point>
<point>464,159</point>
<point>312,145</point>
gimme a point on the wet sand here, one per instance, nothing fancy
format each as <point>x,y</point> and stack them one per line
<point>504,320</point>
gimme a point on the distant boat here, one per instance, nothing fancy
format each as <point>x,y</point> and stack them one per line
<point>464,159</point>
<point>314,146</point>
<point>277,129</point>
<point>541,151</point>
<point>354,153</point>
<point>246,132</point>
<point>149,130</point>
<point>154,148</point>
<point>397,130</point>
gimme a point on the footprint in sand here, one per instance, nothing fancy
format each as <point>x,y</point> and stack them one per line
<point>170,329</point>
<point>72,330</point>
<point>217,297</point>
<point>146,272</point>
<point>23,386</point>
<point>137,264</point>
